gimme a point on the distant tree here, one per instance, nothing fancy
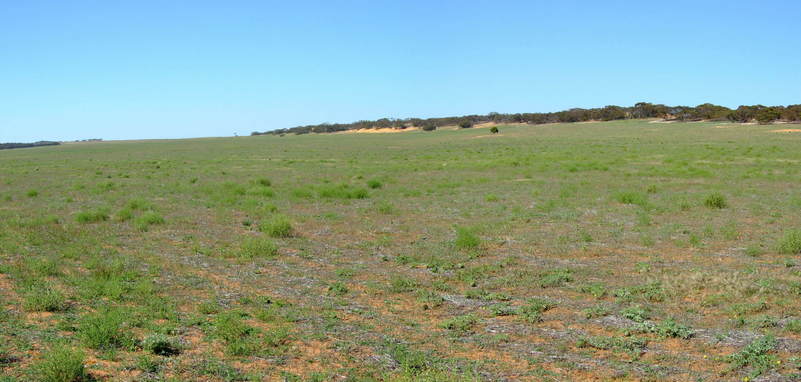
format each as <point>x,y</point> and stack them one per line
<point>768,114</point>
<point>465,123</point>
<point>494,129</point>
<point>428,126</point>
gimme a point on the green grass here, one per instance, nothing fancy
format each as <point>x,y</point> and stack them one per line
<point>61,364</point>
<point>277,226</point>
<point>258,247</point>
<point>790,243</point>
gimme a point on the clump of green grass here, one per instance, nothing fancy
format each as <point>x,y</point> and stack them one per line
<point>793,326</point>
<point>342,191</point>
<point>402,285</point>
<point>631,345</point>
<point>385,207</point>
<point>32,193</point>
<point>790,243</point>
<point>277,226</point>
<point>264,182</point>
<point>596,311</point>
<point>756,355</point>
<point>374,184</point>
<point>338,288</point>
<point>258,247</point>
<point>44,298</point>
<point>666,329</point>
<point>93,216</point>
<point>460,324</point>
<point>61,364</point>
<point>534,308</point>
<point>466,239</point>
<point>209,307</point>
<point>636,313</point>
<point>556,278</point>
<point>632,197</point>
<point>147,219</point>
<point>491,198</point>
<point>104,330</point>
<point>716,200</point>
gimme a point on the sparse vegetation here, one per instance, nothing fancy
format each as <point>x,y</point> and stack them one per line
<point>560,252</point>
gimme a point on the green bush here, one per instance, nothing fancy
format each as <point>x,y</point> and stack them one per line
<point>374,184</point>
<point>93,216</point>
<point>44,298</point>
<point>790,243</point>
<point>556,278</point>
<point>630,197</point>
<point>148,219</point>
<point>61,364</point>
<point>258,247</point>
<point>494,130</point>
<point>466,239</point>
<point>715,200</point>
<point>104,330</point>
<point>460,324</point>
<point>160,344</point>
<point>277,226</point>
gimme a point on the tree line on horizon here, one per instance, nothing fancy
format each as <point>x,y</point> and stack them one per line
<point>5,146</point>
<point>707,111</point>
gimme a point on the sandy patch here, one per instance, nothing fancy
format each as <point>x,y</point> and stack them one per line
<point>786,131</point>
<point>382,130</point>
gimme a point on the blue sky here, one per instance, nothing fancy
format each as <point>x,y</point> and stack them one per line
<point>170,69</point>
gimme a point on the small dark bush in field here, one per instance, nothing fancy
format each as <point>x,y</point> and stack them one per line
<point>790,243</point>
<point>61,364</point>
<point>494,130</point>
<point>716,200</point>
<point>466,239</point>
<point>429,127</point>
<point>148,219</point>
<point>264,182</point>
<point>160,344</point>
<point>92,216</point>
<point>337,289</point>
<point>258,247</point>
<point>277,226</point>
<point>43,298</point>
<point>374,183</point>
<point>32,193</point>
<point>466,124</point>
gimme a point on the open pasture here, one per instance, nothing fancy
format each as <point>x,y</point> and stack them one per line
<point>624,250</point>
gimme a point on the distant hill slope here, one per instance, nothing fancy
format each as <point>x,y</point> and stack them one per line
<point>707,111</point>
<point>5,146</point>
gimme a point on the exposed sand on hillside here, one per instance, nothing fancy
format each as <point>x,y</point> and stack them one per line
<point>786,131</point>
<point>381,130</point>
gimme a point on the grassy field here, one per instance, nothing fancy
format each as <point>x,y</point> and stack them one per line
<point>595,251</point>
